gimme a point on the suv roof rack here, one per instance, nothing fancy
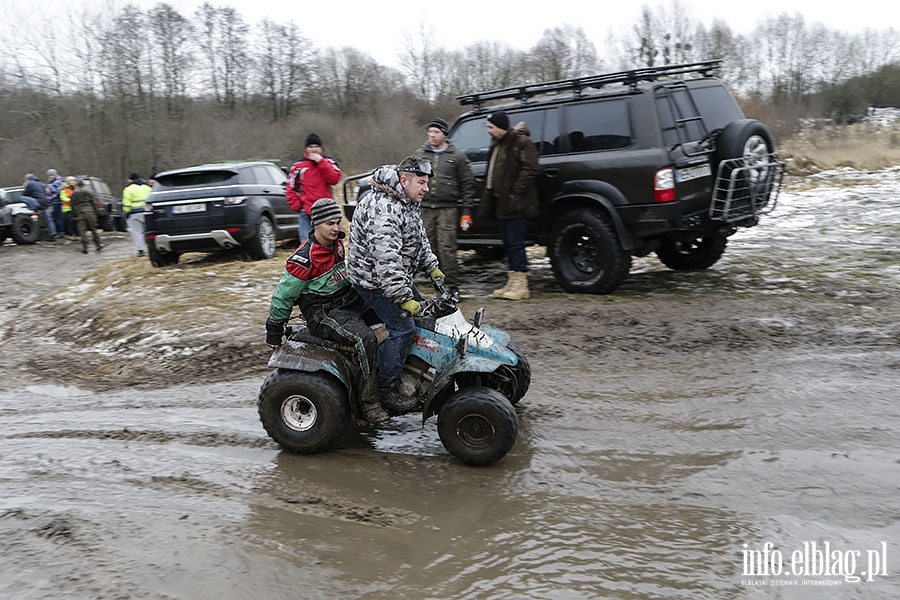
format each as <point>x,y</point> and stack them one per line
<point>630,78</point>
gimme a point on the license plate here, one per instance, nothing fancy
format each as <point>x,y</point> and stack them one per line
<point>689,173</point>
<point>181,209</point>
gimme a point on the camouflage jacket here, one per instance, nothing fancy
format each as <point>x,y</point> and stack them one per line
<point>388,245</point>
<point>82,201</point>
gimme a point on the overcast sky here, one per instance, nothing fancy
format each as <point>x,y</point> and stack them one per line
<point>379,28</point>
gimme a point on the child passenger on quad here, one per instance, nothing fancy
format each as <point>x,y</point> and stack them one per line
<point>315,279</point>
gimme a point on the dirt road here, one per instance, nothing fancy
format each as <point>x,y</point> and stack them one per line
<point>672,429</point>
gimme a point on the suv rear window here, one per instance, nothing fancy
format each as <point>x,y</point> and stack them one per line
<point>195,179</point>
<point>713,102</point>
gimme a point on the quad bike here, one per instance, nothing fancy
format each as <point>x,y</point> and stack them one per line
<point>467,374</point>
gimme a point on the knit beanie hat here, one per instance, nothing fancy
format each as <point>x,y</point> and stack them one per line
<point>499,119</point>
<point>134,176</point>
<point>440,124</point>
<point>324,209</point>
<point>313,139</point>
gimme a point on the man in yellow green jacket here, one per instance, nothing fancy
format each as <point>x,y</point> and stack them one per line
<point>134,198</point>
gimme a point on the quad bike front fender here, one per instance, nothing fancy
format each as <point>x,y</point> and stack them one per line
<point>303,356</point>
<point>476,360</point>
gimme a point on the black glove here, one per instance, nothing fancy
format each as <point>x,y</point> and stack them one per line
<point>274,332</point>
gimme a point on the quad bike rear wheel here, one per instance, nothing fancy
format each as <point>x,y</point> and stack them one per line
<point>304,412</point>
<point>478,425</point>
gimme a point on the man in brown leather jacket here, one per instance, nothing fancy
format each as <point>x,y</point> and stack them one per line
<point>510,194</point>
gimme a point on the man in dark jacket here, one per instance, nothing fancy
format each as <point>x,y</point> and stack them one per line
<point>315,279</point>
<point>510,195</point>
<point>450,196</point>
<point>34,195</point>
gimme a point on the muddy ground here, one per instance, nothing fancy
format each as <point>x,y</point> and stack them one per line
<point>668,424</point>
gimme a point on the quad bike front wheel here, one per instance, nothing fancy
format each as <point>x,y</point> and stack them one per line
<point>478,425</point>
<point>304,412</point>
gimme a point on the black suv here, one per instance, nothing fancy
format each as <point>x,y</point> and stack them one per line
<point>650,160</point>
<point>218,206</point>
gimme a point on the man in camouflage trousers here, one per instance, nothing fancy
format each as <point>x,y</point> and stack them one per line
<point>449,200</point>
<point>84,211</point>
<point>388,246</point>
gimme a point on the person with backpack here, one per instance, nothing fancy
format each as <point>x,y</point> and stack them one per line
<point>310,179</point>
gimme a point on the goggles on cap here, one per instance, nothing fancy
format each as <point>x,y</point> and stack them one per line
<point>422,168</point>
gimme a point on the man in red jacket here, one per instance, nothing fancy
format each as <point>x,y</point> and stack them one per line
<point>310,179</point>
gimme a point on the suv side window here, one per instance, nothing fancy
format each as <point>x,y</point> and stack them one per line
<point>266,175</point>
<point>543,128</point>
<point>598,125</point>
<point>543,125</point>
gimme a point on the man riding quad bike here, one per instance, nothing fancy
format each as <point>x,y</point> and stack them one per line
<point>467,374</point>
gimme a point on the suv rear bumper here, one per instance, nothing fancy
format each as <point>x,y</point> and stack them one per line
<point>195,241</point>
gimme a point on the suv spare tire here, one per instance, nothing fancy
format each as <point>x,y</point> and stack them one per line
<point>586,254</point>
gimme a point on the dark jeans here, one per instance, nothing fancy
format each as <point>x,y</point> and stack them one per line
<point>513,231</point>
<point>401,328</point>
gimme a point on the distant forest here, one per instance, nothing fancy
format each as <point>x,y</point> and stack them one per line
<point>151,90</point>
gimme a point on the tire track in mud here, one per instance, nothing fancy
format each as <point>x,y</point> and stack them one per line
<point>208,439</point>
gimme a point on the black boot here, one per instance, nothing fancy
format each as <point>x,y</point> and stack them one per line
<point>84,247</point>
<point>98,245</point>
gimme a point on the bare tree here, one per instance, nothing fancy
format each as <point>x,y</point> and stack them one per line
<point>171,34</point>
<point>285,63</point>
<point>562,53</point>
<point>224,39</point>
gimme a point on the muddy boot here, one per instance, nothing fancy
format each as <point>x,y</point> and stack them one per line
<point>518,289</point>
<point>97,244</point>
<point>374,413</point>
<point>398,404</point>
<point>84,247</point>
<point>499,293</point>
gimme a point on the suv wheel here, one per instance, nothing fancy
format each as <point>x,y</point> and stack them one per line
<point>698,254</point>
<point>161,259</point>
<point>586,255</point>
<point>25,229</point>
<point>262,245</point>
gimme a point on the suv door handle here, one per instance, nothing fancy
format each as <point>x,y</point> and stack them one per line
<point>551,172</point>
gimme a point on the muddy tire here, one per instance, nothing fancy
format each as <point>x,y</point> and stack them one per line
<point>25,230</point>
<point>513,382</point>
<point>263,244</point>
<point>478,425</point>
<point>586,255</point>
<point>161,259</point>
<point>304,412</point>
<point>696,255</point>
